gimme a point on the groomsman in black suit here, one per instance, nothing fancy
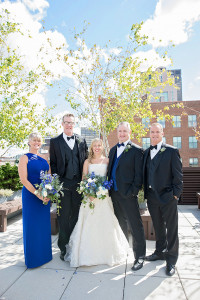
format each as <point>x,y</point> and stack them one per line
<point>162,172</point>
<point>125,169</point>
<point>68,152</point>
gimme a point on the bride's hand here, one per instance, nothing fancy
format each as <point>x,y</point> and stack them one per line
<point>91,198</point>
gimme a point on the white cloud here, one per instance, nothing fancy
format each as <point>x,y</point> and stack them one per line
<point>37,49</point>
<point>172,22</point>
<point>151,58</point>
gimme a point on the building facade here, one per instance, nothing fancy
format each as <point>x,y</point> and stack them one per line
<point>169,93</point>
<point>181,133</point>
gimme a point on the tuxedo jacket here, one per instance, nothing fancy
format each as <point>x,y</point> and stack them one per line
<point>166,174</point>
<point>129,169</point>
<point>57,153</point>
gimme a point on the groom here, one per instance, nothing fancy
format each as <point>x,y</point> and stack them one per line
<point>125,169</point>
<point>68,152</point>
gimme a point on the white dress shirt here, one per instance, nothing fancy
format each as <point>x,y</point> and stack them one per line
<point>154,151</point>
<point>70,143</point>
<point>121,148</point>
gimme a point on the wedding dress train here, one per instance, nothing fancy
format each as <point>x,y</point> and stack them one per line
<point>97,237</point>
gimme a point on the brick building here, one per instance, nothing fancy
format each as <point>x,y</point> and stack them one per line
<point>181,134</point>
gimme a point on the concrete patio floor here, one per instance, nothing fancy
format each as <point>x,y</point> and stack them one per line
<point>56,280</point>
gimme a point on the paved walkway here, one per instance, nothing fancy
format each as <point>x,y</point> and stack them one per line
<point>56,280</point>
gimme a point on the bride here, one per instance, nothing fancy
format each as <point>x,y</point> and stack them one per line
<point>97,237</point>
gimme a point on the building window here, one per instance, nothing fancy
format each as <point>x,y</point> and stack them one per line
<point>192,142</point>
<point>177,142</point>
<point>161,121</point>
<point>177,121</point>
<point>192,120</point>
<point>164,139</point>
<point>193,162</point>
<point>145,143</point>
<point>162,97</point>
<point>146,122</point>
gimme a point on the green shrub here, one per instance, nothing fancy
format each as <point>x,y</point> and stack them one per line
<point>141,196</point>
<point>9,177</point>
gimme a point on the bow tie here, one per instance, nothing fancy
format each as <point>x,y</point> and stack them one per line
<point>153,147</point>
<point>70,137</point>
<point>119,145</point>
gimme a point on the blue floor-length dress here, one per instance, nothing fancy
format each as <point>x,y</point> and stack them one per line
<point>36,218</point>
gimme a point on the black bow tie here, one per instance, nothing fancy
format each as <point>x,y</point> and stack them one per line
<point>119,145</point>
<point>153,147</point>
<point>70,137</point>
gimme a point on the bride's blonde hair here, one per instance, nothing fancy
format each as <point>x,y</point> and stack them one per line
<point>91,152</point>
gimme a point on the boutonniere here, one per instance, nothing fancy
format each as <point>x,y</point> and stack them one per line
<point>128,147</point>
<point>162,149</point>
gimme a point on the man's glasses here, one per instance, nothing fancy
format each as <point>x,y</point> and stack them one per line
<point>69,123</point>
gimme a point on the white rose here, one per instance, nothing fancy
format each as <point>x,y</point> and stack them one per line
<point>90,180</point>
<point>44,194</point>
<point>48,187</point>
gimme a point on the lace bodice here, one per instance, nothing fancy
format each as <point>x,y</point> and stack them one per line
<point>98,169</point>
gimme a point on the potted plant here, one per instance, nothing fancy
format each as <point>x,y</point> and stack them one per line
<point>5,194</point>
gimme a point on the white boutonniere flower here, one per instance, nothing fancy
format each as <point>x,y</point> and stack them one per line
<point>162,149</point>
<point>128,147</point>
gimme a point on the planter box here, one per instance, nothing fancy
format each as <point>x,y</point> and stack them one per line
<point>148,225</point>
<point>15,195</point>
<point>54,221</point>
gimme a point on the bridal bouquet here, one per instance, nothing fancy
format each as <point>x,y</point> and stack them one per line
<point>95,186</point>
<point>51,188</point>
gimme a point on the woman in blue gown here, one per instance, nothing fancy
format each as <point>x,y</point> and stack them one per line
<point>36,215</point>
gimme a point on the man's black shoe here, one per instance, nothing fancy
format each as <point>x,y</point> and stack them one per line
<point>138,264</point>
<point>154,256</point>
<point>170,269</point>
<point>62,255</point>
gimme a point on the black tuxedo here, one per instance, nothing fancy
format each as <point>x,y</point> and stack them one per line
<point>129,182</point>
<point>68,164</point>
<point>162,177</point>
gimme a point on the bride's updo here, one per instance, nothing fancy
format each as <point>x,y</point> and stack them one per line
<point>91,152</point>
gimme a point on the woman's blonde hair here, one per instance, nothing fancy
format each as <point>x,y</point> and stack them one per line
<point>34,135</point>
<point>91,153</point>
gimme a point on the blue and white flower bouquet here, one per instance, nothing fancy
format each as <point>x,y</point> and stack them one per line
<point>94,186</point>
<point>50,187</point>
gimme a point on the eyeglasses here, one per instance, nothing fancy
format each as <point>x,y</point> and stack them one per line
<point>69,123</point>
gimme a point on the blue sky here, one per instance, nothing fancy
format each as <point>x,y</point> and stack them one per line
<point>177,20</point>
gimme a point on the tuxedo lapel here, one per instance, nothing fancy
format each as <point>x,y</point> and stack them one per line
<point>62,146</point>
<point>146,154</point>
<point>159,156</point>
<point>112,155</point>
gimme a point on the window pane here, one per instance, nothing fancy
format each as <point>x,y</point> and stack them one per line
<point>192,142</point>
<point>177,121</point>
<point>162,97</point>
<point>145,143</point>
<point>161,121</point>
<point>193,162</point>
<point>146,122</point>
<point>177,142</point>
<point>164,139</point>
<point>192,120</point>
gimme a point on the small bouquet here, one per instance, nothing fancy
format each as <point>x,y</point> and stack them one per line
<point>51,188</point>
<point>95,186</point>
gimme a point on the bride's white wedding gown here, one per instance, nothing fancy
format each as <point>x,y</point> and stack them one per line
<point>97,237</point>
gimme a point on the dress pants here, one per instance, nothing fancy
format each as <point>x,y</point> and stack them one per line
<point>165,221</point>
<point>127,211</point>
<point>70,205</point>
